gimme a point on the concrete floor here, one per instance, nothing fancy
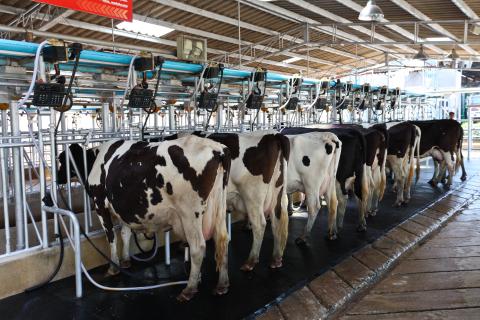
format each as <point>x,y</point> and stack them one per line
<point>439,280</point>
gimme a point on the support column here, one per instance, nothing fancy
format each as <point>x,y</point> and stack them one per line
<point>18,183</point>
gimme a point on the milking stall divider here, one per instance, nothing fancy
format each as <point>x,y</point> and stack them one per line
<point>186,96</point>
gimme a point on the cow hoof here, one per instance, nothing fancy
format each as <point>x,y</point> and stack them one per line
<point>248,266</point>
<point>290,213</point>
<point>125,264</point>
<point>397,204</point>
<point>361,228</point>
<point>332,237</point>
<point>220,291</point>
<point>373,213</point>
<point>276,263</point>
<point>112,271</point>
<point>186,295</point>
<point>300,241</point>
<point>463,178</point>
<point>433,183</point>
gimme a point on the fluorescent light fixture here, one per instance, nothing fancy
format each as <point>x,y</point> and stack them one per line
<point>439,39</point>
<point>146,28</point>
<point>371,12</point>
<point>290,60</point>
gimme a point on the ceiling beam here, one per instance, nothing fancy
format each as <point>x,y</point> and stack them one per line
<point>231,40</point>
<point>337,18</point>
<point>136,36</point>
<point>290,15</point>
<point>466,9</point>
<point>245,25</point>
<point>56,19</point>
<point>435,26</point>
<point>407,34</point>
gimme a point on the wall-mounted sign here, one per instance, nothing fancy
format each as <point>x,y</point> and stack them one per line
<point>116,9</point>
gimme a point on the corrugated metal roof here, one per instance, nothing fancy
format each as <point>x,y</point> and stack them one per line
<point>267,21</point>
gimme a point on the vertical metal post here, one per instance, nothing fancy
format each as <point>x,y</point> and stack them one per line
<point>219,117</point>
<point>18,183</point>
<point>6,218</point>
<point>105,118</point>
<point>171,117</point>
<point>333,116</point>
<point>114,116</point>
<point>53,161</point>
<point>167,248</point>
<point>41,168</point>
<point>470,124</point>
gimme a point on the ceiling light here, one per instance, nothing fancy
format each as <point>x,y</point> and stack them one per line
<point>453,55</point>
<point>371,12</point>
<point>420,55</point>
<point>290,60</point>
<point>438,39</point>
<point>146,28</point>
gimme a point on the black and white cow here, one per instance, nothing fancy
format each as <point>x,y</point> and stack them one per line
<point>442,139</point>
<point>376,140</point>
<point>351,173</point>
<point>312,169</point>
<point>179,185</point>
<point>404,142</point>
<point>257,186</point>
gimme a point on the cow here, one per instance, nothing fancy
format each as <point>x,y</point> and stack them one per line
<point>442,139</point>
<point>404,143</point>
<point>179,185</point>
<point>257,185</point>
<point>376,139</point>
<point>312,168</point>
<point>351,173</point>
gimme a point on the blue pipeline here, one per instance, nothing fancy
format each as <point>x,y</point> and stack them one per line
<point>93,59</point>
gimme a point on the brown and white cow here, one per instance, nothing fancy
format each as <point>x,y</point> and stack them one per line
<point>403,143</point>
<point>179,185</point>
<point>312,169</point>
<point>257,186</point>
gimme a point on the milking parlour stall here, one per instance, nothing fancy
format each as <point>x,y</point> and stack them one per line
<point>280,159</point>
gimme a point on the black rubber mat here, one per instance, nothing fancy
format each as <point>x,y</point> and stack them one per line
<point>249,292</point>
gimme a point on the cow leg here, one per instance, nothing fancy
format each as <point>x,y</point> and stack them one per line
<point>399,177</point>
<point>450,166</point>
<point>342,205</point>
<point>220,237</point>
<point>290,204</point>
<point>332,202</point>
<point>280,233</point>
<point>313,206</point>
<point>371,184</point>
<point>126,233</point>
<point>107,224</point>
<point>375,191</point>
<point>196,242</point>
<point>258,223</point>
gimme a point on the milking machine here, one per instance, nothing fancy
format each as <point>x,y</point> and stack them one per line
<point>140,96</point>
<point>256,95</point>
<point>210,82</point>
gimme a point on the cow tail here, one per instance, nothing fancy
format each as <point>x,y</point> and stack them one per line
<point>283,217</point>
<point>418,139</point>
<point>220,230</point>
<point>383,181</point>
<point>284,146</point>
<point>365,189</point>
